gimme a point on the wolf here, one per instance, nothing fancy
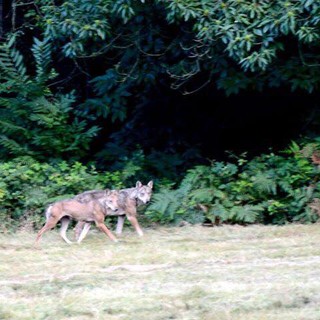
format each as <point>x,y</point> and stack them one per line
<point>128,201</point>
<point>92,210</point>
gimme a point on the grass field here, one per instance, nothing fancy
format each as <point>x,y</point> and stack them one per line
<point>229,272</point>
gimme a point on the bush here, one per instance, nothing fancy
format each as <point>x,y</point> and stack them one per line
<point>271,188</point>
<point>27,186</point>
<point>267,189</point>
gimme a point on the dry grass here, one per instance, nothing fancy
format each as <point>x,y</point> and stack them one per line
<point>218,273</point>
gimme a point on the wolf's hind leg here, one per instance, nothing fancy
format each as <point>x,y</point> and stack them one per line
<point>51,223</point>
<point>63,230</point>
<point>84,232</point>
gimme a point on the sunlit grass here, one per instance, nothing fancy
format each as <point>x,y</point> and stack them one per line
<point>228,272</point>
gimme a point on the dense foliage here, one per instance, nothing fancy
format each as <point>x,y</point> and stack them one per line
<point>88,80</point>
<point>271,188</point>
<point>103,64</point>
<point>267,189</point>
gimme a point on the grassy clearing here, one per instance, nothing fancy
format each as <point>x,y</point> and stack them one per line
<point>228,272</point>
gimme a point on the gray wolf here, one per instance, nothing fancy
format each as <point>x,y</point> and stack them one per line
<point>93,210</point>
<point>128,201</point>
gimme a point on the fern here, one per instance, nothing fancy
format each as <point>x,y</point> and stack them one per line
<point>42,54</point>
<point>12,66</point>
<point>13,147</point>
<point>246,213</point>
<point>217,210</point>
<point>10,127</point>
<point>34,121</point>
<point>263,182</point>
<point>206,195</point>
<point>164,206</point>
<point>285,186</point>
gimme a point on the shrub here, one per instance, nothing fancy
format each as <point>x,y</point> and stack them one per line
<point>267,189</point>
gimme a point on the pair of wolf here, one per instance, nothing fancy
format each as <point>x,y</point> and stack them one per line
<point>94,206</point>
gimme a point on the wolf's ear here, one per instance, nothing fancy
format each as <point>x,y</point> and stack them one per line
<point>107,191</point>
<point>150,184</point>
<point>138,184</point>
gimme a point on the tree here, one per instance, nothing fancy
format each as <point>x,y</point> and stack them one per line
<point>238,43</point>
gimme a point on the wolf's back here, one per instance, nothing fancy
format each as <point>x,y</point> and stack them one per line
<point>90,195</point>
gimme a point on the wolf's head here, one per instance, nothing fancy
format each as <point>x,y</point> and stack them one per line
<point>144,192</point>
<point>111,199</point>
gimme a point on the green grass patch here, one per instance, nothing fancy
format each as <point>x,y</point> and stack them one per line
<point>229,272</point>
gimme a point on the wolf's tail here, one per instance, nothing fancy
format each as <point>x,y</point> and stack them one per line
<point>48,212</point>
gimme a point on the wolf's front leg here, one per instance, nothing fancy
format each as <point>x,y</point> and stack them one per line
<point>78,229</point>
<point>120,224</point>
<point>135,223</point>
